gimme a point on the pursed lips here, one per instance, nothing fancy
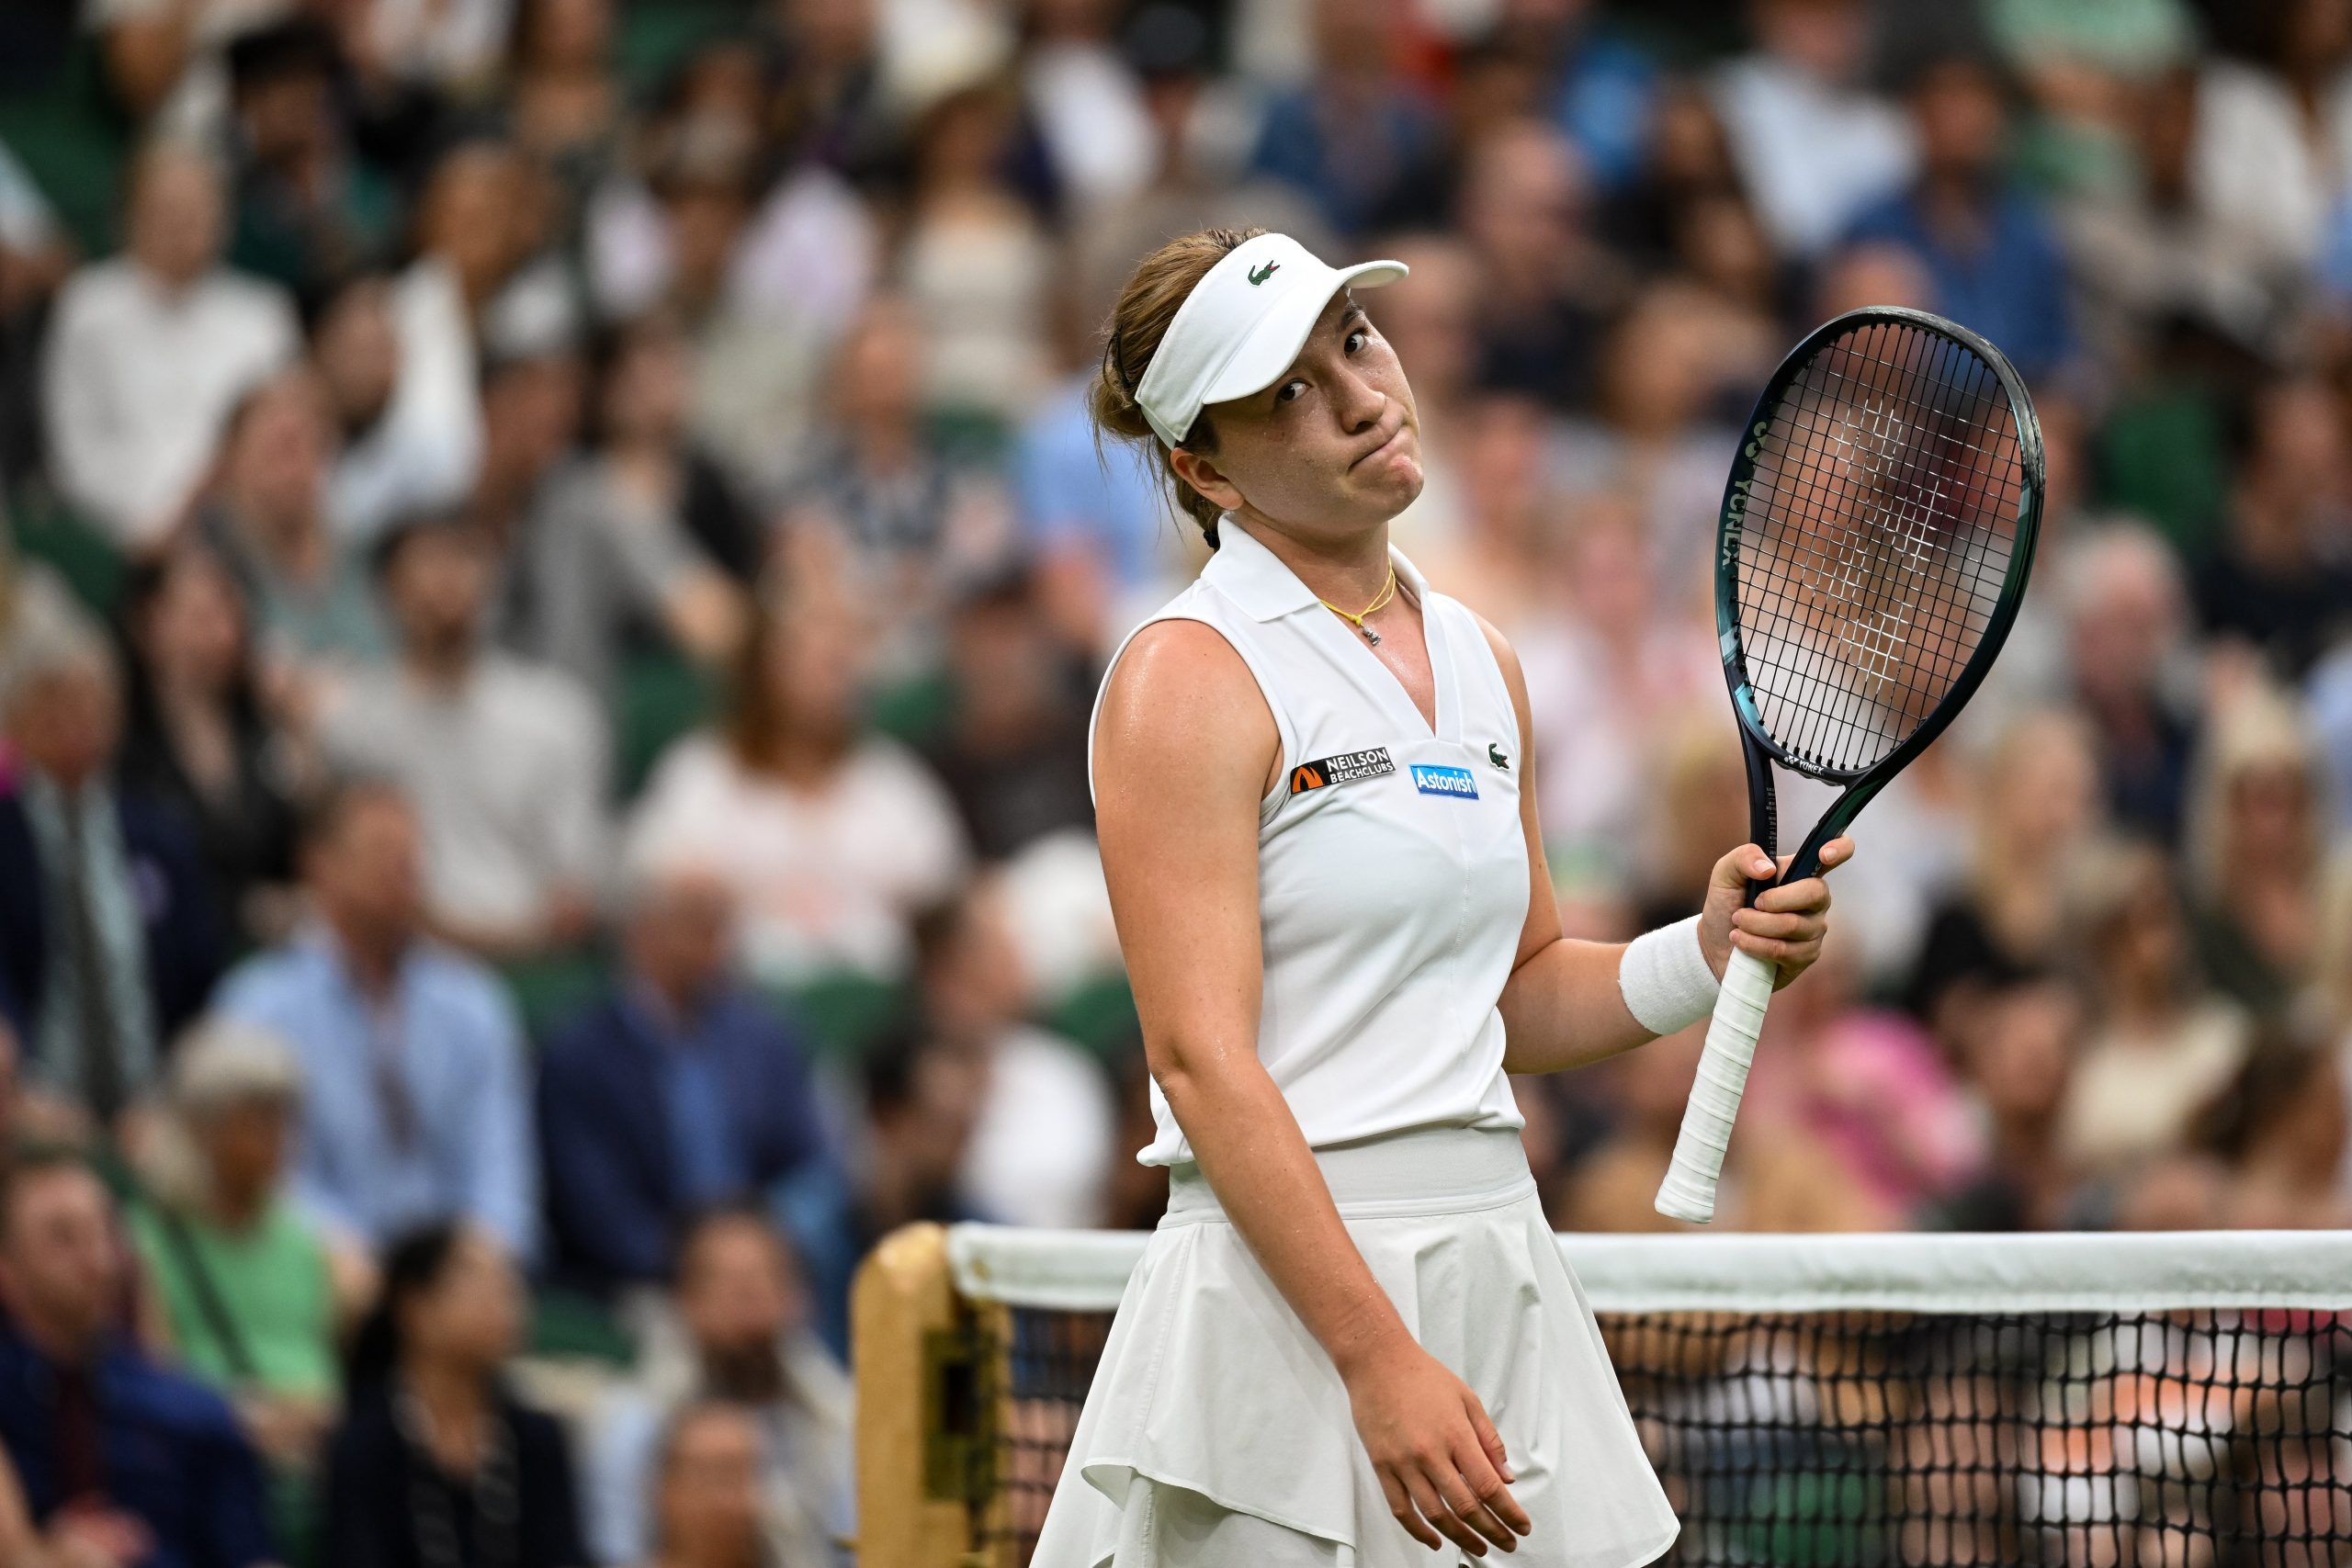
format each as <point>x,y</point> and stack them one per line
<point>1383,446</point>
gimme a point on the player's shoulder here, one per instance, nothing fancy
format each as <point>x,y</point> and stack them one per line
<point>1180,696</point>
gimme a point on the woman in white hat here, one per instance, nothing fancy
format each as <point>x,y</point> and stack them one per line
<point>1352,1331</point>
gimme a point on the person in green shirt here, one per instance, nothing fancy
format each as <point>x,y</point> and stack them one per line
<point>242,1287</point>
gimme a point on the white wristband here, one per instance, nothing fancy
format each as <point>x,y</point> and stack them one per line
<point>1665,979</point>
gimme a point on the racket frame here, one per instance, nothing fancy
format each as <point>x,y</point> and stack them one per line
<point>1759,748</point>
<point>1689,1190</point>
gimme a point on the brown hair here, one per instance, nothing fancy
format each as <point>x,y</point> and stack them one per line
<point>1147,306</point>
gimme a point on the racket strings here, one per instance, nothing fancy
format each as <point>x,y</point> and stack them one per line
<point>1880,529</point>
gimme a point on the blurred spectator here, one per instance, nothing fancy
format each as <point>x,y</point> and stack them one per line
<point>626,541</point>
<point>1346,138</point>
<point>832,836</point>
<point>678,1090</point>
<point>150,350</point>
<point>829,62</point>
<point>505,760</point>
<point>2257,855</point>
<point>1995,263</point>
<point>531,411</point>
<point>706,1491</point>
<point>922,1103</point>
<point>564,106</point>
<point>1871,1090</point>
<point>2161,1047</point>
<point>1607,674</point>
<point>244,1288</point>
<point>120,1461</point>
<point>474,238</point>
<point>975,265</point>
<point>739,1332</point>
<point>1651,437</point>
<point>437,1460</point>
<point>400,380</point>
<point>911,522</point>
<point>109,938</point>
<point>1686,161</point>
<point>2281,1126</point>
<point>2127,615</point>
<point>2279,580</point>
<point>2036,804</point>
<point>1785,1182</point>
<point>1039,1150</point>
<point>1543,285</point>
<point>2017,1050</point>
<point>36,256</point>
<point>1813,148</point>
<point>202,737</point>
<point>1012,753</point>
<point>265,515</point>
<point>414,1107</point>
<point>307,210</point>
<point>1600,87</point>
<point>762,282</point>
<point>2144,248</point>
<point>1087,102</point>
<point>2273,138</point>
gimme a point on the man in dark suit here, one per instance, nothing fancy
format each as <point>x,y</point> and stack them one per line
<point>678,1090</point>
<point>109,939</point>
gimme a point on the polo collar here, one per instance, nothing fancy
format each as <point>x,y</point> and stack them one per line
<point>1254,578</point>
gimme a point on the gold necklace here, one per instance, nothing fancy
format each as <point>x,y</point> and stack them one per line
<point>1387,592</point>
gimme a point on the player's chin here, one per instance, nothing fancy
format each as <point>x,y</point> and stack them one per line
<point>1392,479</point>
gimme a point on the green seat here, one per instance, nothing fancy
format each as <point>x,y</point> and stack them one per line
<point>73,144</point>
<point>843,1013</point>
<point>552,987</point>
<point>1100,1014</point>
<point>656,35</point>
<point>568,1326</point>
<point>48,531</point>
<point>657,698</point>
<point>913,710</point>
<point>2164,455</point>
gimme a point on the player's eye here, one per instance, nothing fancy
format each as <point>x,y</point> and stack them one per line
<point>1358,338</point>
<point>1290,391</point>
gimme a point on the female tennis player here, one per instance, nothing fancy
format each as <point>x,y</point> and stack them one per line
<point>1352,1331</point>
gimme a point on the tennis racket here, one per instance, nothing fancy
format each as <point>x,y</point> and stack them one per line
<point>1874,541</point>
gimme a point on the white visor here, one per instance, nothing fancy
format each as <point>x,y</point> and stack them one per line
<point>1241,326</point>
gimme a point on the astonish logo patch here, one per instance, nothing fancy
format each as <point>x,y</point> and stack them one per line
<point>1431,780</point>
<point>1344,768</point>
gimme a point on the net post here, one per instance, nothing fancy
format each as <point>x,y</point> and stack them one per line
<point>927,1422</point>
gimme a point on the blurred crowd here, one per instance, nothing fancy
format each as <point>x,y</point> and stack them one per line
<point>556,569</point>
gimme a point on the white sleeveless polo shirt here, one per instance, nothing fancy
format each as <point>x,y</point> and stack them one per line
<point>1392,866</point>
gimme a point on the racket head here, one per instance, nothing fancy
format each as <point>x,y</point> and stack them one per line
<point>1877,531</point>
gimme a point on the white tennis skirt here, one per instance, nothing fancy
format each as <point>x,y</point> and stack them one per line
<point>1218,1435</point>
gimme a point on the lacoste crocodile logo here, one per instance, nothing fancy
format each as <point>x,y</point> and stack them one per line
<point>1260,275</point>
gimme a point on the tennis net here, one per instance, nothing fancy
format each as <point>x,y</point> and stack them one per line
<point>2112,1401</point>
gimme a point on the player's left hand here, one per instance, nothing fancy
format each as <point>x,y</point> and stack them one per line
<point>1786,924</point>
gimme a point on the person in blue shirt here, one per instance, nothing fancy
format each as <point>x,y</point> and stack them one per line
<point>676,1091</point>
<point>416,1107</point>
<point>119,1461</point>
<point>1346,139</point>
<point>1993,259</point>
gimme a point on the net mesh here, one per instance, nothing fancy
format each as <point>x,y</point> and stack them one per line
<point>2133,1438</point>
<point>1871,544</point>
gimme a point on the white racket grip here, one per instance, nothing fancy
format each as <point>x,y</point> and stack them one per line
<point>1689,1190</point>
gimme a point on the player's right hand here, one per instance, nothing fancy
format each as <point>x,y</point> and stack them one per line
<point>1440,1463</point>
